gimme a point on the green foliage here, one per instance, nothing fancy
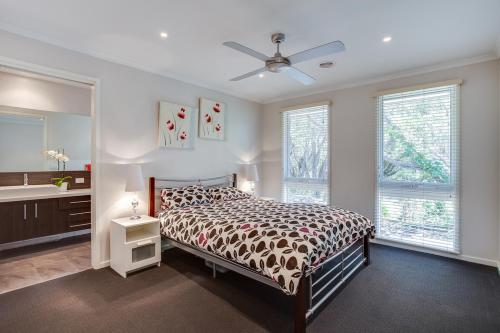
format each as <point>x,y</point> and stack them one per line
<point>429,170</point>
<point>417,144</point>
<point>59,181</point>
<point>435,213</point>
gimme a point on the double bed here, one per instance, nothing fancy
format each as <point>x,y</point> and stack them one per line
<point>306,250</point>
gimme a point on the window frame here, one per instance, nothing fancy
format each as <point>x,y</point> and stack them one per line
<point>443,191</point>
<point>285,178</point>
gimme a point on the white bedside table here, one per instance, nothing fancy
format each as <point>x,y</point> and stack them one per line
<point>135,244</point>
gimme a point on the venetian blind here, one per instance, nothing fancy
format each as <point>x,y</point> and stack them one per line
<point>418,160</point>
<point>305,144</point>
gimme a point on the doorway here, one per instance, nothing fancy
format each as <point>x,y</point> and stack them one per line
<point>52,235</point>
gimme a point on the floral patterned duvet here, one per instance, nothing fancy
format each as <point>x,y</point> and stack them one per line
<point>280,241</point>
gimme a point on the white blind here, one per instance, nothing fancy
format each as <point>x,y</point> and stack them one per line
<point>305,155</point>
<point>418,159</point>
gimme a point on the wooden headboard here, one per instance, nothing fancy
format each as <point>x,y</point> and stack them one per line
<point>157,184</point>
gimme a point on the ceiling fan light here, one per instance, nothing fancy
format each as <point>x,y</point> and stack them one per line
<point>281,64</point>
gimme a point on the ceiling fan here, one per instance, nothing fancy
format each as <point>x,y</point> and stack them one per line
<point>281,64</point>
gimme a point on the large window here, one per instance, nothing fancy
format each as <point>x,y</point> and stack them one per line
<point>305,155</point>
<point>417,192</point>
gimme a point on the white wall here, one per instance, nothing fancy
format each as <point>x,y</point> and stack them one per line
<point>31,93</point>
<point>127,130</point>
<point>353,126</point>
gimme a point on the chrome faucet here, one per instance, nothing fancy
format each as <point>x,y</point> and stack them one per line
<point>25,179</point>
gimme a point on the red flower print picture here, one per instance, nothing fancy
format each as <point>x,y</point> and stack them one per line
<point>216,108</point>
<point>218,128</point>
<point>183,135</point>
<point>208,118</point>
<point>170,125</point>
<point>182,113</point>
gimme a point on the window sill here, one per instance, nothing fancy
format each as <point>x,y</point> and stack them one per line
<point>412,246</point>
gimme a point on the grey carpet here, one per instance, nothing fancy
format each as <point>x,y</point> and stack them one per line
<point>401,291</point>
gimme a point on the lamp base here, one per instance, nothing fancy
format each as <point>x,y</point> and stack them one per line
<point>251,189</point>
<point>135,203</point>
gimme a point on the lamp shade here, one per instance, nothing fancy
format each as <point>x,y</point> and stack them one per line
<point>135,180</point>
<point>252,173</point>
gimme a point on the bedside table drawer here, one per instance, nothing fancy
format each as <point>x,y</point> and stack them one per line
<point>144,252</point>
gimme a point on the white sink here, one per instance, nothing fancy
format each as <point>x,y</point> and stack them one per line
<point>27,190</point>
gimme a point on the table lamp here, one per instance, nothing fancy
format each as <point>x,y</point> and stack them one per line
<point>135,183</point>
<point>252,176</point>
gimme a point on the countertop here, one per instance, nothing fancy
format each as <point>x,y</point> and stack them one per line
<point>25,197</point>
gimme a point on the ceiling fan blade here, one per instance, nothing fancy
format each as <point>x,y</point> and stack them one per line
<point>246,50</point>
<point>244,76</point>
<point>316,52</point>
<point>300,76</point>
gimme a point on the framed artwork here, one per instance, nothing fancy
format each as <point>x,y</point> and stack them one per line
<point>211,122</point>
<point>175,126</point>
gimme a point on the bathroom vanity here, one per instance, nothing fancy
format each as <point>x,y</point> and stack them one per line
<point>37,147</point>
<point>42,212</point>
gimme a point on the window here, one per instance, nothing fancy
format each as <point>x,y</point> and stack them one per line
<point>417,183</point>
<point>305,155</point>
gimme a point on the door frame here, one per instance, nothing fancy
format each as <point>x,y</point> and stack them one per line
<point>95,83</point>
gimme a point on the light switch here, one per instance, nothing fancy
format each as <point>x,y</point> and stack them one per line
<point>80,180</point>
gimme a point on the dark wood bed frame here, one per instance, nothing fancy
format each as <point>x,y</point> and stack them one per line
<point>315,287</point>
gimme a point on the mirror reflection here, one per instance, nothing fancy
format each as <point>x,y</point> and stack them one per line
<point>44,141</point>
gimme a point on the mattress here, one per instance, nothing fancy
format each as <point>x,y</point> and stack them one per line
<point>278,240</point>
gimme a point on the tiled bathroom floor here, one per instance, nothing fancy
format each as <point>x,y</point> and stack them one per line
<point>23,267</point>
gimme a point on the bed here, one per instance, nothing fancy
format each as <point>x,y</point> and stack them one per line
<point>307,251</point>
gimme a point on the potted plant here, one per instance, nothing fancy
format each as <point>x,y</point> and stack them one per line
<point>62,183</point>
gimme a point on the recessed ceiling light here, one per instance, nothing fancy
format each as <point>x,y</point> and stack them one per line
<point>163,35</point>
<point>387,39</point>
<point>261,75</point>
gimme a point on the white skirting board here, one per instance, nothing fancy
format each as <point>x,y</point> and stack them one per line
<point>482,261</point>
<point>102,264</point>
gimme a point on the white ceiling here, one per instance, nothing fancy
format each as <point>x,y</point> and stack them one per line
<point>425,33</point>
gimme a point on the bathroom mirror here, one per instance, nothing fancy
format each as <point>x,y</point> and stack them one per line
<point>44,141</point>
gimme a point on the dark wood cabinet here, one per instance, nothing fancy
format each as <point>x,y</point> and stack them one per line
<point>23,224</point>
<point>21,220</point>
<point>44,218</point>
<point>30,219</point>
<point>6,222</point>
<point>75,212</point>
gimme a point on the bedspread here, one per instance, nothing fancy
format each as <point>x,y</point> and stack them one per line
<point>278,240</point>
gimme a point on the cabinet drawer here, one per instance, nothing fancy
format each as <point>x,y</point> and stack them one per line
<point>75,202</point>
<point>142,253</point>
<point>78,219</point>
